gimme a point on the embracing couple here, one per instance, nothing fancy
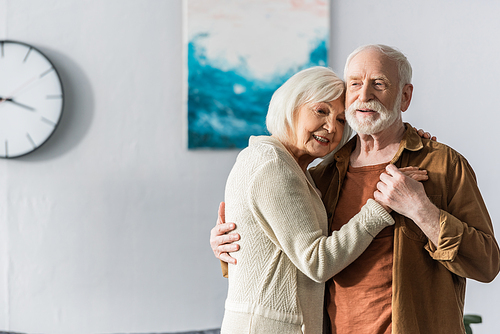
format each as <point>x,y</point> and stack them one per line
<point>391,220</point>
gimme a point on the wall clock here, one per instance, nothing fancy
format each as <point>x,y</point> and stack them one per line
<point>31,99</point>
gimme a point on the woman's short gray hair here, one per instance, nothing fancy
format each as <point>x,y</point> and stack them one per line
<point>404,66</point>
<point>315,84</point>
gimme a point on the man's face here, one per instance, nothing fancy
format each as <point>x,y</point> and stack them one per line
<point>373,97</point>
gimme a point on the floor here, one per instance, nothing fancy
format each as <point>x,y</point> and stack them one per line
<point>208,331</point>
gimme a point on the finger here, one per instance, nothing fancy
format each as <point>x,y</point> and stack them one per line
<point>376,195</point>
<point>408,169</point>
<point>228,248</point>
<point>222,213</point>
<point>385,178</point>
<point>383,197</point>
<point>219,237</point>
<point>392,170</point>
<point>217,231</point>
<point>419,172</point>
<point>382,187</point>
<point>223,243</point>
<point>222,229</point>
<point>231,237</point>
<point>379,197</point>
<point>412,169</point>
<point>423,133</point>
<point>396,173</point>
<point>227,258</point>
<point>434,138</point>
<point>415,172</point>
<point>420,177</point>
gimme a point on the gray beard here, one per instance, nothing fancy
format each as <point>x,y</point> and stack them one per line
<point>369,127</point>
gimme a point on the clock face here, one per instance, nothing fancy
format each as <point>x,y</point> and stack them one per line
<point>31,99</point>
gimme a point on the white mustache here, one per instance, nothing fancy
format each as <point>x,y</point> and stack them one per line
<point>372,105</point>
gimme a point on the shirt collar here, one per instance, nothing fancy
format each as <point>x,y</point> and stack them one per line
<point>411,141</point>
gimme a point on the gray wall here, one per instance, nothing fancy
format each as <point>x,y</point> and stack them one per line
<point>105,228</point>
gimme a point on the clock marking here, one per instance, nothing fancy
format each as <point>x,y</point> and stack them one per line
<point>46,72</point>
<point>38,81</point>
<point>31,140</point>
<point>27,54</point>
<point>48,121</point>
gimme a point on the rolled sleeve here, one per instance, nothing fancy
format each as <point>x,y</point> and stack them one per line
<point>450,237</point>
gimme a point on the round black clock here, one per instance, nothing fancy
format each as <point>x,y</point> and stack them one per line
<point>31,99</point>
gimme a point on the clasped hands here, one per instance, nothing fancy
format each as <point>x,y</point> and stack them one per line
<point>400,190</point>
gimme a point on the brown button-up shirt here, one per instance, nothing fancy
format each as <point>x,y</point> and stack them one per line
<point>428,283</point>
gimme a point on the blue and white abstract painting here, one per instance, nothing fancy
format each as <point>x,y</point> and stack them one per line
<point>238,53</point>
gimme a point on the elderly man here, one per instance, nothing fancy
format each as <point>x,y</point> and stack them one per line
<point>411,279</point>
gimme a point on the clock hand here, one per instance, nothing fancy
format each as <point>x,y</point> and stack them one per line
<point>20,104</point>
<point>15,91</point>
<point>5,99</point>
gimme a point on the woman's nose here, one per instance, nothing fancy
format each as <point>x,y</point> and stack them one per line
<point>330,125</point>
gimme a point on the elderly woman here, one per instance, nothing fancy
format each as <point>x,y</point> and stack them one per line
<point>285,255</point>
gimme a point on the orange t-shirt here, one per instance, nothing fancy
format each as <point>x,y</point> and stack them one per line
<point>359,297</point>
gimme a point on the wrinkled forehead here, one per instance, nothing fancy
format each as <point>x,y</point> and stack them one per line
<point>372,64</point>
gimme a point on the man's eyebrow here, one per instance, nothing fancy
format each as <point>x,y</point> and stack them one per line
<point>354,77</point>
<point>382,77</point>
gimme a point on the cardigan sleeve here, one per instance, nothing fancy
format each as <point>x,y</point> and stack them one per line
<point>282,202</point>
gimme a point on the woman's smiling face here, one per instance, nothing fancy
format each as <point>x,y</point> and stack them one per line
<point>318,130</point>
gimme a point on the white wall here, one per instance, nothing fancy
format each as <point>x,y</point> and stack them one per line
<point>105,228</point>
<point>453,47</point>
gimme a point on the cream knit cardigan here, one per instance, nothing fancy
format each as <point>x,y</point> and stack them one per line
<point>285,255</point>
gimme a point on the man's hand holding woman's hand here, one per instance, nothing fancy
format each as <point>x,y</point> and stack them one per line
<point>410,172</point>
<point>222,242</point>
<point>405,195</point>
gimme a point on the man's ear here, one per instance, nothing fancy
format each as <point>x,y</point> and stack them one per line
<point>406,97</point>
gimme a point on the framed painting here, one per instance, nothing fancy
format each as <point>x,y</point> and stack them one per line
<point>238,53</point>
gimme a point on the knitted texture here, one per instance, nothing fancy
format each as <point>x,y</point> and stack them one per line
<point>285,255</point>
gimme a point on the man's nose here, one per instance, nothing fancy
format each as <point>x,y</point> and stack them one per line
<point>365,93</point>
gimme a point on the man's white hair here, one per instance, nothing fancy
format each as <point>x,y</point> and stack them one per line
<point>404,66</point>
<point>315,84</point>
